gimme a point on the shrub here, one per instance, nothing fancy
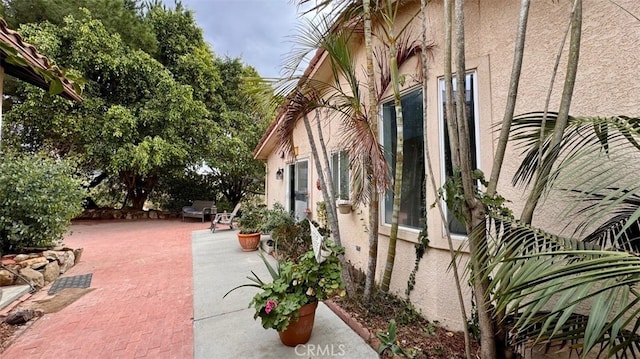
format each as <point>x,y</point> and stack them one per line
<point>38,199</point>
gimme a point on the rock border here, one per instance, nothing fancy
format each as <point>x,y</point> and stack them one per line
<point>109,213</point>
<point>37,269</point>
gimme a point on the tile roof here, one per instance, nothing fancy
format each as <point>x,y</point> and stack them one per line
<point>35,59</point>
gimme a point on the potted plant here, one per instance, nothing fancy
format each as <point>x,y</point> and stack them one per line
<point>344,205</point>
<point>250,224</point>
<point>276,220</point>
<point>288,303</point>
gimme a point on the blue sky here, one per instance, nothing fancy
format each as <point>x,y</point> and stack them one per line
<point>258,31</point>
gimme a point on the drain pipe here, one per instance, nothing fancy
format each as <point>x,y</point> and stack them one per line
<point>32,288</point>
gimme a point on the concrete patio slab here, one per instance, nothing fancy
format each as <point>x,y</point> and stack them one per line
<point>225,328</point>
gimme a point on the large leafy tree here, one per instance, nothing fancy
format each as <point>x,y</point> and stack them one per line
<point>242,117</point>
<point>117,16</point>
<point>183,51</point>
<point>137,121</point>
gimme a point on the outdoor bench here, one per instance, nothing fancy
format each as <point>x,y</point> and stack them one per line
<point>199,209</point>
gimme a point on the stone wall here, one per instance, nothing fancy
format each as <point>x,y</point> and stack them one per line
<point>37,269</point>
<point>108,213</point>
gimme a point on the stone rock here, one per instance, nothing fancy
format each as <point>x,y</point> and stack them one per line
<point>8,262</point>
<point>6,277</point>
<point>21,257</point>
<point>69,261</point>
<point>55,255</point>
<point>77,253</point>
<point>20,316</point>
<point>35,263</point>
<point>34,277</point>
<point>49,255</point>
<point>51,272</point>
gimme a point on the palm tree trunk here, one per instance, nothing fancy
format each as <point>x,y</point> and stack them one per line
<point>501,331</point>
<point>372,260</point>
<point>397,190</point>
<point>512,96</point>
<point>474,210</point>
<point>430,175</point>
<point>335,228</point>
<point>330,186</point>
<point>542,177</point>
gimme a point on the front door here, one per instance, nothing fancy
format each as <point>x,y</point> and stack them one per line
<point>299,188</point>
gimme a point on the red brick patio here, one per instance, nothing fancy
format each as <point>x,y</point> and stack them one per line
<point>142,305</point>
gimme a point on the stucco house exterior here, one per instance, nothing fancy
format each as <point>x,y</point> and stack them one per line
<point>606,85</point>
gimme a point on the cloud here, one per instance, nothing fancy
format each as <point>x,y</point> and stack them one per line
<point>257,31</point>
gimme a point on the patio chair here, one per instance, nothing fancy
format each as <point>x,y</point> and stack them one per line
<point>224,218</point>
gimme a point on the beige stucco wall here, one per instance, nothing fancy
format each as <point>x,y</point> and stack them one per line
<point>606,85</point>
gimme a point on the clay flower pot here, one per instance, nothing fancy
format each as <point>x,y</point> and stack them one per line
<point>249,242</point>
<point>344,207</point>
<point>299,332</point>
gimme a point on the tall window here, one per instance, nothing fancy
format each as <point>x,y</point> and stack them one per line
<point>340,173</point>
<point>455,225</point>
<point>412,205</point>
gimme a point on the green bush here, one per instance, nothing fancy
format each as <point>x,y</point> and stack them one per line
<point>38,199</point>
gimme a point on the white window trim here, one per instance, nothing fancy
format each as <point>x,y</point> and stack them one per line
<point>476,114</point>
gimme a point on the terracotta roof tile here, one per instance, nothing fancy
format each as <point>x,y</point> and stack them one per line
<point>35,59</point>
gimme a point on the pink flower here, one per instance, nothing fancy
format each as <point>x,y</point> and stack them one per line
<point>271,305</point>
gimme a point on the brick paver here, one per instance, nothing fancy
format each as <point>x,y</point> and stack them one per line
<point>142,305</point>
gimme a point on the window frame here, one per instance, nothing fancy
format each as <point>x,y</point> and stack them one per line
<point>441,135</point>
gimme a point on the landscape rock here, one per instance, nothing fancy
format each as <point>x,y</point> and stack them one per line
<point>54,255</point>
<point>6,277</point>
<point>34,277</point>
<point>68,262</point>
<point>51,272</point>
<point>18,317</point>
<point>21,257</point>
<point>8,262</point>
<point>35,263</point>
<point>77,253</point>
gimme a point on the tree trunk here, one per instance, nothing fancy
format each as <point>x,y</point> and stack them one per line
<point>397,190</point>
<point>501,330</point>
<point>430,175</point>
<point>474,210</point>
<point>512,96</point>
<point>335,228</point>
<point>372,259</point>
<point>542,177</point>
<point>138,188</point>
<point>330,197</point>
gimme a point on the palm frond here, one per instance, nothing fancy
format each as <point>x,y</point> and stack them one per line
<point>622,230</point>
<point>563,290</point>
<point>584,134</point>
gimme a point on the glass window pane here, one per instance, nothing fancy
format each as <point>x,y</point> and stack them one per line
<point>344,174</point>
<point>335,168</point>
<point>412,206</point>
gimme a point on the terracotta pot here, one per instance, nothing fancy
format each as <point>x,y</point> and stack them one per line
<point>299,332</point>
<point>344,208</point>
<point>249,242</point>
